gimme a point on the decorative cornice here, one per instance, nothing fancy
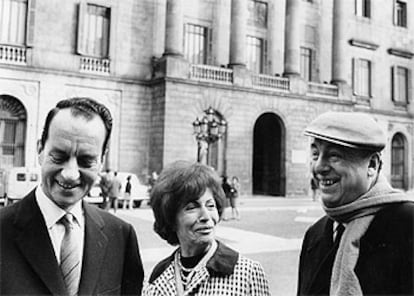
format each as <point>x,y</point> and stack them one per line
<point>401,53</point>
<point>363,44</point>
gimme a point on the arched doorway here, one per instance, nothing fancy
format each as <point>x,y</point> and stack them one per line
<point>13,118</point>
<point>269,156</point>
<point>399,161</point>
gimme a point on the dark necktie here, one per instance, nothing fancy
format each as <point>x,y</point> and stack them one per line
<point>69,256</point>
<point>339,231</point>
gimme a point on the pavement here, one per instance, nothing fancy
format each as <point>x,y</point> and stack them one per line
<point>268,236</point>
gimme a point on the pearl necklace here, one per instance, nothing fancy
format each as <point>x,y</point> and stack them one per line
<point>185,272</point>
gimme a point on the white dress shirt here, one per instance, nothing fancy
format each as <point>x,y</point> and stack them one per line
<point>52,214</point>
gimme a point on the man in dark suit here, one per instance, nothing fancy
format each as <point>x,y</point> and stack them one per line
<point>364,244</point>
<point>52,242</point>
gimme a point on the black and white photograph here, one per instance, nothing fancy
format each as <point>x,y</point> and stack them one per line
<point>207,147</point>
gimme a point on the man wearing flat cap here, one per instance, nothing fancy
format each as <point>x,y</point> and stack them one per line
<point>364,243</point>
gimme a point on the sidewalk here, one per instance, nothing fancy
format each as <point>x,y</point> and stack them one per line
<point>249,201</point>
<point>263,202</point>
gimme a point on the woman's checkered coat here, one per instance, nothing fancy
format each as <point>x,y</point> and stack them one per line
<point>226,273</point>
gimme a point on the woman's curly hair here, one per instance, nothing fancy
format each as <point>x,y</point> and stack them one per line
<point>178,184</point>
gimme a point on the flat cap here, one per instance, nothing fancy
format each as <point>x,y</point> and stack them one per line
<point>355,130</point>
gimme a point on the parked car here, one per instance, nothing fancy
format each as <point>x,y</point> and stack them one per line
<point>95,195</point>
<point>17,182</point>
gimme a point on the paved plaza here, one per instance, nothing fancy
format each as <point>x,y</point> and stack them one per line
<point>270,231</point>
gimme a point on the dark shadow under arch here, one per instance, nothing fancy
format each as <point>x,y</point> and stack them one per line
<point>269,156</point>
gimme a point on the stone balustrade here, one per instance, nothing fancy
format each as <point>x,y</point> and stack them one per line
<point>211,74</point>
<point>10,54</point>
<point>273,82</point>
<point>95,65</point>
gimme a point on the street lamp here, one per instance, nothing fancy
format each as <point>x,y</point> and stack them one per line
<point>207,131</point>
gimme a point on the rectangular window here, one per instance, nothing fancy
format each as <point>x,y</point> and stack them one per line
<point>362,77</point>
<point>196,43</point>
<point>13,14</point>
<point>363,8</point>
<point>257,13</point>
<point>306,63</point>
<point>94,28</point>
<point>400,85</point>
<point>400,13</point>
<point>255,54</point>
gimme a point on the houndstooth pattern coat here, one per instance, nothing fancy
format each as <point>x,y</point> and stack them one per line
<point>226,273</point>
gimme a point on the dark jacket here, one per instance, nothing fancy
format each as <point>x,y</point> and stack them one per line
<point>226,273</point>
<point>227,189</point>
<point>385,263</point>
<point>111,260</point>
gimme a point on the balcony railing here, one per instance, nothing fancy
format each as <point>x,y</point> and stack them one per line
<point>322,89</point>
<point>15,55</point>
<point>273,82</point>
<point>211,74</point>
<point>95,65</point>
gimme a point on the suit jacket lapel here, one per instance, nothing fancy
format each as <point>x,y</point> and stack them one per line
<point>322,250</point>
<point>34,243</point>
<point>94,250</point>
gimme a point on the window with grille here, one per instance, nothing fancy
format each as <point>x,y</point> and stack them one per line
<point>400,82</point>
<point>196,44</point>
<point>94,26</point>
<point>255,54</point>
<point>13,14</point>
<point>12,132</point>
<point>400,13</point>
<point>363,8</point>
<point>362,73</point>
<point>306,63</point>
<point>398,160</point>
<point>257,13</point>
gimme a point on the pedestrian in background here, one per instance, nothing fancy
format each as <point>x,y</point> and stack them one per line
<point>364,244</point>
<point>227,192</point>
<point>54,243</point>
<point>114,191</point>
<point>187,202</point>
<point>127,195</point>
<point>234,194</point>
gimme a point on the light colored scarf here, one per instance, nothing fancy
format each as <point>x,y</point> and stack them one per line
<point>358,215</point>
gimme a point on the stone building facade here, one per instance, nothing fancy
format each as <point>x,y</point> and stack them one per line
<point>266,68</point>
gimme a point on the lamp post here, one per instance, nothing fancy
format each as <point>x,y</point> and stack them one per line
<point>207,131</point>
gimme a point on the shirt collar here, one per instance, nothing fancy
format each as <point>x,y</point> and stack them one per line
<point>222,263</point>
<point>52,213</point>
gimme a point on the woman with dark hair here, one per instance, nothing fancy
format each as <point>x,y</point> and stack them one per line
<point>187,202</point>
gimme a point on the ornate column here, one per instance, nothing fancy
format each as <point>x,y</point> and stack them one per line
<point>339,42</point>
<point>221,29</point>
<point>276,39</point>
<point>292,37</point>
<point>174,28</point>
<point>238,32</point>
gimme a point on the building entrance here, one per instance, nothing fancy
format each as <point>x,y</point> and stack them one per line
<point>269,156</point>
